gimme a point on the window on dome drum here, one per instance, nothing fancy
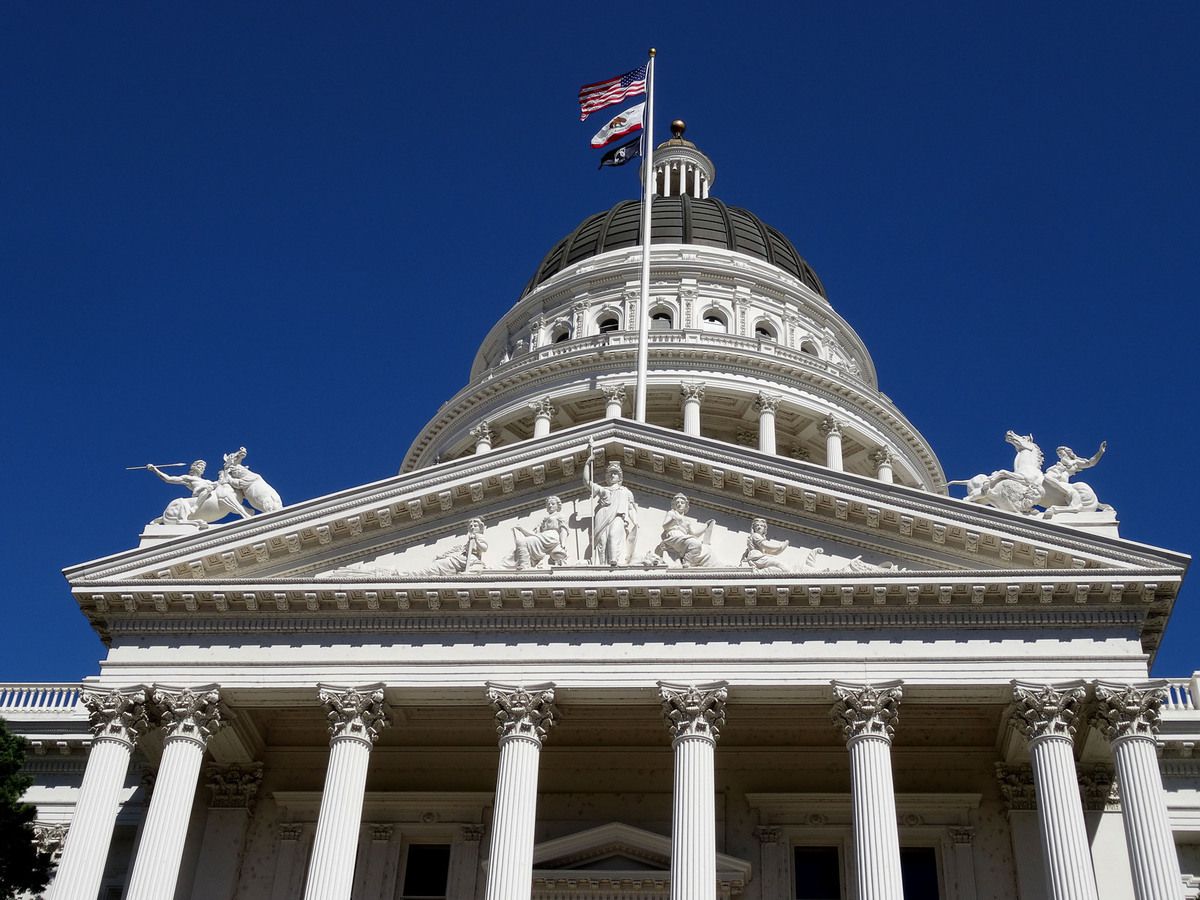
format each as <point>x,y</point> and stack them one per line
<point>426,872</point>
<point>561,333</point>
<point>808,347</point>
<point>714,320</point>
<point>608,325</point>
<point>764,331</point>
<point>660,319</point>
<point>919,873</point>
<point>817,873</point>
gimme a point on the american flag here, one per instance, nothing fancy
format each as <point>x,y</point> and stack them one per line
<point>605,93</point>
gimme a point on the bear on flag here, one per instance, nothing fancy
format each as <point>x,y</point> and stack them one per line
<point>620,125</point>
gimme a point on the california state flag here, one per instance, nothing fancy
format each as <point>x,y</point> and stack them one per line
<point>620,125</point>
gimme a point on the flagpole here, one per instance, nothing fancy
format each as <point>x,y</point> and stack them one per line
<point>643,350</point>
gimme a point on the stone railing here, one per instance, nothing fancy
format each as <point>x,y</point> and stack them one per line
<point>1183,694</point>
<point>46,699</point>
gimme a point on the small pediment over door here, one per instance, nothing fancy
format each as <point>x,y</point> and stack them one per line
<point>619,860</point>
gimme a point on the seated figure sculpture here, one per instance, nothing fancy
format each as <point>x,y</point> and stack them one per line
<point>548,543</point>
<point>762,553</point>
<point>684,538</point>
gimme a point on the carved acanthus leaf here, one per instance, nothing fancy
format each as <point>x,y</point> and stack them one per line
<point>866,709</point>
<point>354,712</point>
<point>527,712</point>
<point>188,712</point>
<point>234,786</point>
<point>694,710</point>
<point>1044,710</point>
<point>118,714</point>
<point>1016,786</point>
<point>1129,710</point>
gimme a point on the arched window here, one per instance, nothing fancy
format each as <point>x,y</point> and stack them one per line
<point>714,320</point>
<point>661,319</point>
<point>764,331</point>
<point>807,346</point>
<point>608,324</point>
<point>560,333</point>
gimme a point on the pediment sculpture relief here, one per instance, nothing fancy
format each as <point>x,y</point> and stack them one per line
<point>211,501</point>
<point>1025,487</point>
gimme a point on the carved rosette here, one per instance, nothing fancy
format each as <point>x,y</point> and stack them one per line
<point>881,457</point>
<point>188,713</point>
<point>1047,710</point>
<point>614,393</point>
<point>694,710</point>
<point>867,710</point>
<point>692,391</point>
<point>831,427</point>
<point>523,712</point>
<point>1129,710</point>
<point>354,713</point>
<point>118,715</point>
<point>1017,787</point>
<point>543,407</point>
<point>233,786</point>
<point>766,402</point>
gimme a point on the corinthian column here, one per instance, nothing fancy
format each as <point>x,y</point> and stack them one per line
<point>882,457</point>
<point>692,393</point>
<point>356,717</point>
<point>543,412</point>
<point>766,404</point>
<point>867,716</point>
<point>523,717</point>
<point>614,400</point>
<point>117,719</point>
<point>189,717</point>
<point>1128,715</point>
<point>483,438</point>
<point>695,715</point>
<point>1046,715</point>
<point>832,429</point>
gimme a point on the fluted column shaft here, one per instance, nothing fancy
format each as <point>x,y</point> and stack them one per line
<point>523,716</point>
<point>118,719</point>
<point>766,404</point>
<point>356,716</point>
<point>867,716</point>
<point>483,438</point>
<point>693,393</point>
<point>614,399</point>
<point>1128,715</point>
<point>832,429</point>
<point>695,715</point>
<point>883,465</point>
<point>189,716</point>
<point>543,413</point>
<point>1046,715</point>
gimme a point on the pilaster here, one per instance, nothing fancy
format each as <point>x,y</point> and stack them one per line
<point>232,793</point>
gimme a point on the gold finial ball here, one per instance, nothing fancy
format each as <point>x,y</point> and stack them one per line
<point>678,127</point>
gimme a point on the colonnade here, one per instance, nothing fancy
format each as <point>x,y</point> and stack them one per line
<point>766,404</point>
<point>867,715</point>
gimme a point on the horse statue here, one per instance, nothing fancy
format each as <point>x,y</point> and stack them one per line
<point>1017,490</point>
<point>248,486</point>
<point>1026,486</point>
<point>211,501</point>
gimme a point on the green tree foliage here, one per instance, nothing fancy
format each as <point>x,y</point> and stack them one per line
<point>22,866</point>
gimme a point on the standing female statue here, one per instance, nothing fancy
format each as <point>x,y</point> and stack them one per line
<point>614,521</point>
<point>549,542</point>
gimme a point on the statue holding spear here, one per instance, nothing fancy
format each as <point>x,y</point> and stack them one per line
<point>614,515</point>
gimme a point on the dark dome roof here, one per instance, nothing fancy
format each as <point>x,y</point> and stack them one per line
<point>677,220</point>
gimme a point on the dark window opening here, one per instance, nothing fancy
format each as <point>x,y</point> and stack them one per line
<point>818,873</point>
<point>764,332</point>
<point>808,347</point>
<point>426,872</point>
<point>609,325</point>
<point>919,873</point>
<point>561,334</point>
<point>714,321</point>
<point>660,320</point>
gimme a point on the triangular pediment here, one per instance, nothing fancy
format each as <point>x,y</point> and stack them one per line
<point>849,540</point>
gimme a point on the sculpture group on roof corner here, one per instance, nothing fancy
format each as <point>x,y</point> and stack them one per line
<point>235,488</point>
<point>1025,487</point>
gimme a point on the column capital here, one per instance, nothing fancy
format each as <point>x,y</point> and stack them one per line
<point>234,786</point>
<point>382,832</point>
<point>769,834</point>
<point>1129,710</point>
<point>543,407</point>
<point>118,714</point>
<point>523,712</point>
<point>831,427</point>
<point>354,712</point>
<point>962,835</point>
<point>1017,787</point>
<point>482,433</point>
<point>613,393</point>
<point>290,831</point>
<point>1098,787</point>
<point>692,391</point>
<point>881,456</point>
<point>766,402</point>
<point>694,710</point>
<point>862,710</point>
<point>1047,710</point>
<point>192,713</point>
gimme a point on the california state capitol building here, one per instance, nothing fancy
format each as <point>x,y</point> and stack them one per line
<point>751,647</point>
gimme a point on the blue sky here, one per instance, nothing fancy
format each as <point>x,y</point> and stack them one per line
<point>289,226</point>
